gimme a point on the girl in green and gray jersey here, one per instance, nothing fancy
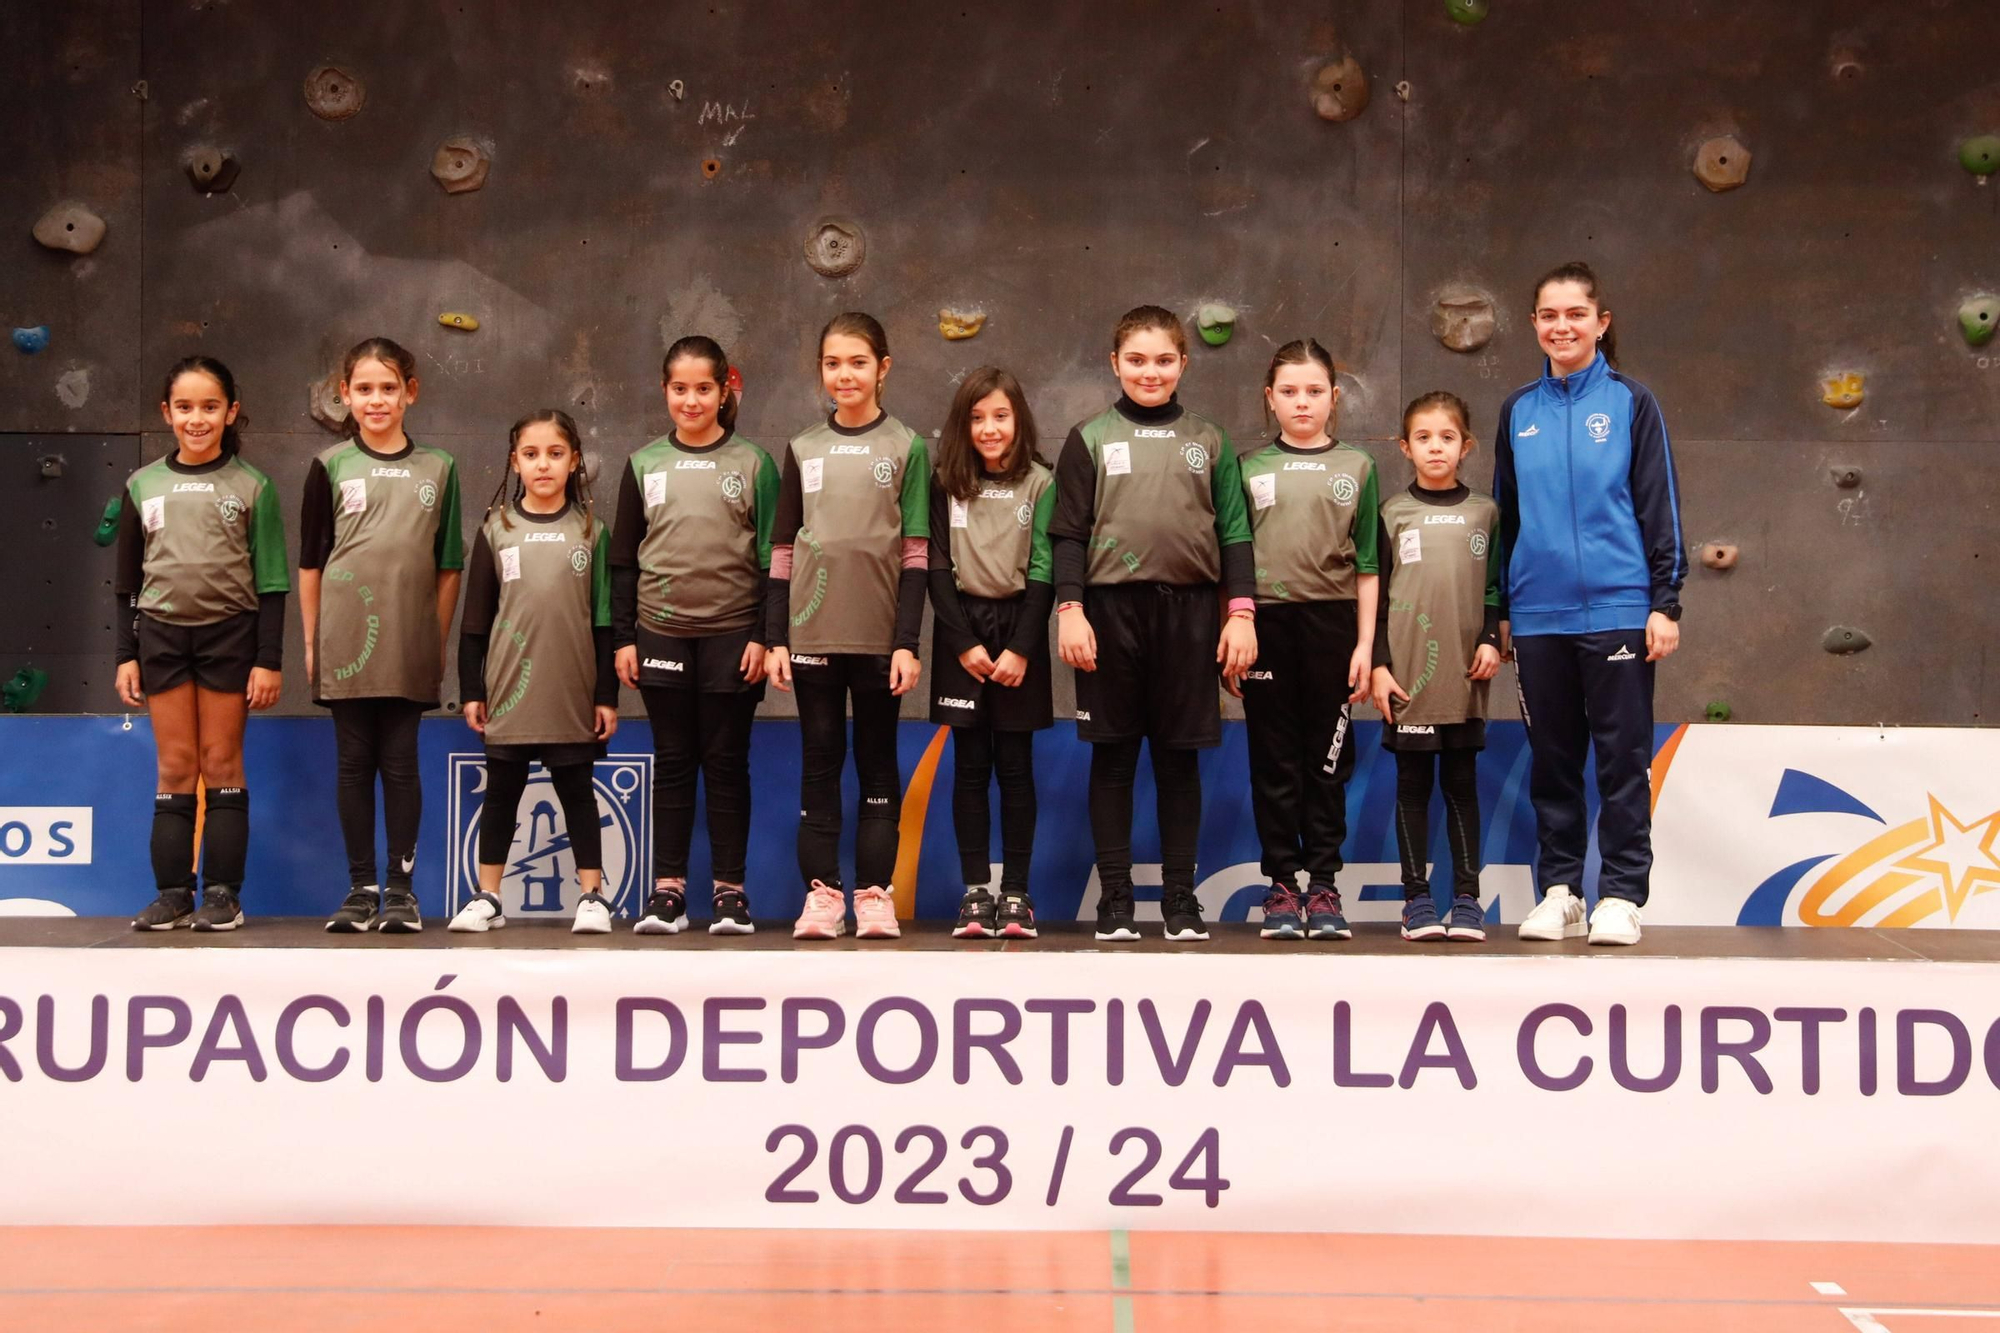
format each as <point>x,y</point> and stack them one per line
<point>201,589</point>
<point>689,555</point>
<point>534,659</point>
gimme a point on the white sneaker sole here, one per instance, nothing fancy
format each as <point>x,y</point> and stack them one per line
<point>877,930</point>
<point>1186,936</point>
<point>652,925</point>
<point>582,927</point>
<point>208,927</point>
<point>1570,930</point>
<point>1017,931</point>
<point>465,927</point>
<point>1460,935</point>
<point>1613,937</point>
<point>815,930</point>
<point>724,926</point>
<point>1425,935</point>
<point>1119,935</point>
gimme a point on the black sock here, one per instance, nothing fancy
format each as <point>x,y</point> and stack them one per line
<point>173,840</point>
<point>225,837</point>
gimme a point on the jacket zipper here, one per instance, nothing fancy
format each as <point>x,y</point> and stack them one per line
<point>1575,519</point>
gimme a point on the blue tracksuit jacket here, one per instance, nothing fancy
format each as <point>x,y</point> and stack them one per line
<point>1590,518</point>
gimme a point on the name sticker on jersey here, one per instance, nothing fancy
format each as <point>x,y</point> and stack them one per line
<point>153,513</point>
<point>1410,546</point>
<point>656,489</point>
<point>1117,458</point>
<point>510,563</point>
<point>1264,490</point>
<point>957,512</point>
<point>812,472</point>
<point>353,496</point>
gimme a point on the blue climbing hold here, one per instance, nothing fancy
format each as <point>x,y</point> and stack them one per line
<point>32,340</point>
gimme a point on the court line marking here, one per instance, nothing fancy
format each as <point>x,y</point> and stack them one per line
<point>1829,1288</point>
<point>1864,1319</point>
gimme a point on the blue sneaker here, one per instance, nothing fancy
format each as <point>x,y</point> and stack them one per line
<point>1324,919</point>
<point>1281,913</point>
<point>1466,922</point>
<point>1420,919</point>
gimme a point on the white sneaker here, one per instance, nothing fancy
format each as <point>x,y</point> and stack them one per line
<point>480,914</point>
<point>1558,916</point>
<point>593,916</point>
<point>1616,921</point>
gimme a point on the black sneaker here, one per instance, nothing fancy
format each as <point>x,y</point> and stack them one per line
<point>732,912</point>
<point>1183,912</point>
<point>665,914</point>
<point>977,919</point>
<point>174,907</point>
<point>399,914</point>
<point>1114,916</point>
<point>219,909</point>
<point>1017,916</point>
<point>357,911</point>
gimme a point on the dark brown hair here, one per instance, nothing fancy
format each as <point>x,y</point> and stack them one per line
<point>1439,398</point>
<point>1299,352</point>
<point>391,354</point>
<point>1582,274</point>
<point>700,348</point>
<point>960,470</point>
<point>1141,318</point>
<point>215,370</point>
<point>856,324</point>
<point>576,490</point>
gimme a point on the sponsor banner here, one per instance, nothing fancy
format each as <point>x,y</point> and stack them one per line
<point>1660,1099</point>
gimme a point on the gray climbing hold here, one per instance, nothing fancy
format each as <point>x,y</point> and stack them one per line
<point>460,165</point>
<point>70,226</point>
<point>1463,319</point>
<point>835,247</point>
<point>324,401</point>
<point>210,168</point>
<point>1340,90</point>
<point>1845,476</point>
<point>333,93</point>
<point>31,341</point>
<point>1719,556</point>
<point>1722,163</point>
<point>1844,639</point>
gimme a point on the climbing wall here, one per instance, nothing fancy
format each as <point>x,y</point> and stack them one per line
<point>589,181</point>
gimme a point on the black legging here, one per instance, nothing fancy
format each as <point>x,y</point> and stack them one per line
<point>709,734</point>
<point>374,736</point>
<point>1458,775</point>
<point>506,779</point>
<point>977,752</point>
<point>823,736</point>
<point>1114,765</point>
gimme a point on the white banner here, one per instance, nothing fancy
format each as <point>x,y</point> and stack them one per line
<point>1569,1096</point>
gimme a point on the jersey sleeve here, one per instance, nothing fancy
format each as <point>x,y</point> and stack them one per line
<point>449,547</point>
<point>1368,526</point>
<point>1225,482</point>
<point>1493,573</point>
<point>316,518</point>
<point>271,572</point>
<point>1041,559</point>
<point>1504,494</point>
<point>1656,501</point>
<point>600,580</point>
<point>917,490</point>
<point>764,499</point>
<point>629,528</point>
<point>1385,550</point>
<point>482,591</point>
<point>1075,514</point>
<point>131,572</point>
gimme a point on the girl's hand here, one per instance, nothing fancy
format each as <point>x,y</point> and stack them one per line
<point>1236,651</point>
<point>778,667</point>
<point>752,665</point>
<point>1359,668</point>
<point>1076,641</point>
<point>903,672</point>
<point>1485,663</point>
<point>1010,670</point>
<point>264,687</point>
<point>475,715</point>
<point>127,682</point>
<point>1506,640</point>
<point>1663,636</point>
<point>626,663</point>
<point>978,663</point>
<point>606,718</point>
<point>1386,689</point>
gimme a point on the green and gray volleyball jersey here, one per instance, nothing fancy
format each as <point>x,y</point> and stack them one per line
<point>707,539</point>
<point>861,493</point>
<point>1441,571</point>
<point>214,539</point>
<point>1312,519</point>
<point>395,525</point>
<point>1000,537</point>
<point>1169,499</point>
<point>541,658</point>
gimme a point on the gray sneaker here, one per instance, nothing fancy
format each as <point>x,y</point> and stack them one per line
<point>399,914</point>
<point>357,911</point>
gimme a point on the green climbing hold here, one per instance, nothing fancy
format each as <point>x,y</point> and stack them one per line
<point>1980,155</point>
<point>1467,12</point>
<point>107,526</point>
<point>1216,323</point>
<point>18,695</point>
<point>1717,711</point>
<point>1978,318</point>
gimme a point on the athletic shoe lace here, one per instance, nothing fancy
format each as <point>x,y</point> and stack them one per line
<point>1281,901</point>
<point>1323,902</point>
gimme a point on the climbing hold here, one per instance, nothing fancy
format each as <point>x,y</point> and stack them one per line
<point>107,525</point>
<point>1843,639</point>
<point>958,325</point>
<point>1717,711</point>
<point>211,169</point>
<point>1467,12</point>
<point>1215,322</point>
<point>324,401</point>
<point>333,93</point>
<point>1845,477</point>
<point>1844,391</point>
<point>31,341</point>
<point>460,165</point>
<point>51,465</point>
<point>834,249</point>
<point>1722,163</point>
<point>1463,319</point>
<point>18,695</point>
<point>1719,555</point>
<point>711,167</point>
<point>1977,319</point>
<point>1980,155</point>
<point>1402,90</point>
<point>70,226</point>
<point>1846,62</point>
<point>1340,90</point>
<point>451,319</point>
<point>677,89</point>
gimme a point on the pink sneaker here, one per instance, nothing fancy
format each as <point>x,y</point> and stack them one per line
<point>825,917</point>
<point>875,915</point>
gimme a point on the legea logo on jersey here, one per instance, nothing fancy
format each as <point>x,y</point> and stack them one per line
<point>1598,425</point>
<point>1344,489</point>
<point>540,879</point>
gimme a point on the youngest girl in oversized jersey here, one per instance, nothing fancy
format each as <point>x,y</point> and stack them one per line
<point>1437,641</point>
<point>991,589</point>
<point>534,658</point>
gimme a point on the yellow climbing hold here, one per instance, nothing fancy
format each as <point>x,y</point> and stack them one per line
<point>1844,391</point>
<point>958,325</point>
<point>451,319</point>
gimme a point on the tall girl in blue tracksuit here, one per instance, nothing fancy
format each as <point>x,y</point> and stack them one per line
<point>1591,530</point>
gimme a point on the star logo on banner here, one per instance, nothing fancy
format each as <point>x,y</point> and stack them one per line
<point>1960,855</point>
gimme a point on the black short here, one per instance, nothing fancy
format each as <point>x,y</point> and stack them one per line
<point>216,657</point>
<point>1156,674</point>
<point>854,671</point>
<point>1467,735</point>
<point>959,700</point>
<point>552,754</point>
<point>710,664</point>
